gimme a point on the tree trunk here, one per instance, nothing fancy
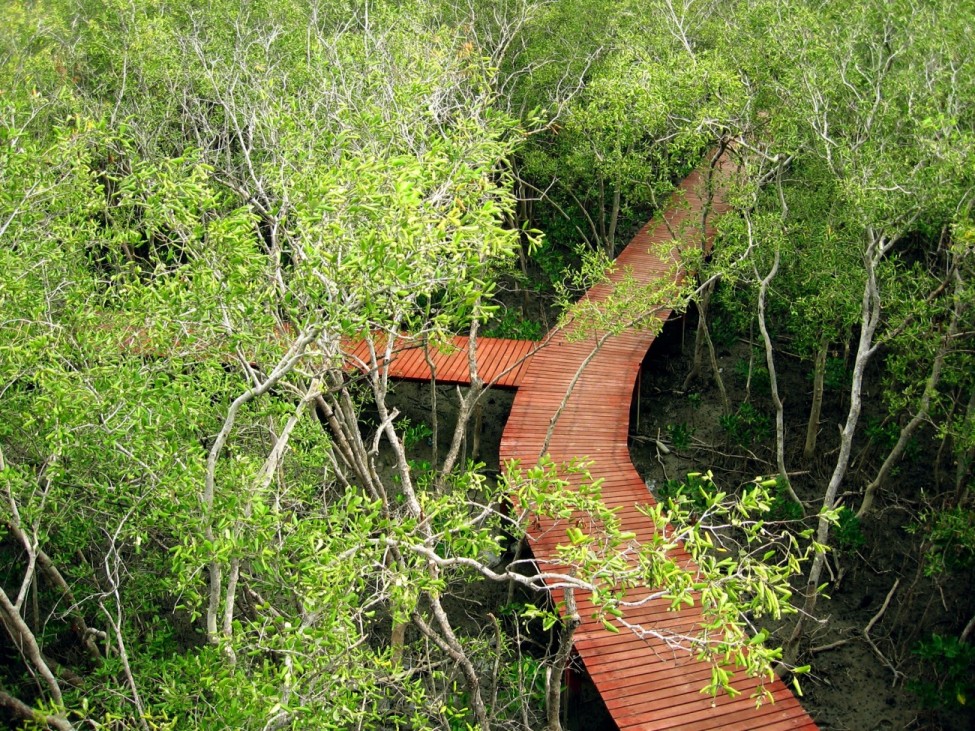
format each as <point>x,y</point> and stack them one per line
<point>715,370</point>
<point>702,340</point>
<point>773,381</point>
<point>25,641</point>
<point>434,425</point>
<point>697,358</point>
<point>397,641</point>
<point>614,217</point>
<point>22,711</point>
<point>523,218</point>
<point>930,388</point>
<point>869,319</point>
<point>478,427</point>
<point>965,459</point>
<point>812,427</point>
<point>553,680</point>
<point>602,212</point>
<point>451,646</point>
<point>458,444</point>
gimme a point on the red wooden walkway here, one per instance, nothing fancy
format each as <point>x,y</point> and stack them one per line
<point>644,683</point>
<point>500,362</point>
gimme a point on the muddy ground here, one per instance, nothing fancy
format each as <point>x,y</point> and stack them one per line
<point>850,687</point>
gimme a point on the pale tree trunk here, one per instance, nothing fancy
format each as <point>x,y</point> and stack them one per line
<point>921,415</point>
<point>25,641</point>
<point>379,369</point>
<point>434,423</point>
<point>614,218</point>
<point>24,712</point>
<point>553,678</point>
<point>698,355</point>
<point>216,587</point>
<point>37,558</point>
<point>451,646</point>
<point>522,218</point>
<point>10,611</point>
<point>702,341</point>
<point>773,380</point>
<point>54,576</point>
<point>812,428</point>
<point>443,635</point>
<point>602,212</point>
<point>478,428</point>
<point>702,336</point>
<point>112,569</point>
<point>339,415</point>
<point>967,632</point>
<point>614,215</point>
<point>869,320</point>
<point>466,404</point>
<point>440,632</point>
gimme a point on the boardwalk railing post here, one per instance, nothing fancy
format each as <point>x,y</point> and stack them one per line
<point>639,388</point>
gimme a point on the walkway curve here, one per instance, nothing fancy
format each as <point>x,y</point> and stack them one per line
<point>500,362</point>
<point>644,683</point>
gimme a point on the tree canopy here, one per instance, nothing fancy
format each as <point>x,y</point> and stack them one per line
<point>209,519</point>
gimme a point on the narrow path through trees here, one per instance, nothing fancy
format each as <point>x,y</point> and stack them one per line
<point>573,401</point>
<point>644,682</point>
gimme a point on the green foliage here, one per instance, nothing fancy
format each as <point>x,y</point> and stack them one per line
<point>882,433</point>
<point>743,563</point>
<point>783,507</point>
<point>633,129</point>
<point>950,539</point>
<point>753,371</point>
<point>515,326</point>
<point>754,557</point>
<point>555,262</point>
<point>747,426</point>
<point>836,376</point>
<point>187,192</point>
<point>680,436</point>
<point>847,532</point>
<point>182,194</point>
<point>946,678</point>
<point>415,434</point>
<point>730,318</point>
<point>693,491</point>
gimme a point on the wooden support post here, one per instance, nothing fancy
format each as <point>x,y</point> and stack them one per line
<point>639,389</point>
<point>478,428</point>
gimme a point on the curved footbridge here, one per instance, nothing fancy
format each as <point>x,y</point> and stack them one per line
<point>644,683</point>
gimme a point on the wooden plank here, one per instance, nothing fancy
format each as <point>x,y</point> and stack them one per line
<point>408,362</point>
<point>705,713</point>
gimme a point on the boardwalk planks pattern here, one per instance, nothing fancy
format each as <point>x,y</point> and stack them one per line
<point>644,683</point>
<point>500,362</point>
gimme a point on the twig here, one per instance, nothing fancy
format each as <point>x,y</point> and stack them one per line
<point>965,633</point>
<point>659,458</point>
<point>876,618</point>
<point>830,646</point>
<point>709,448</point>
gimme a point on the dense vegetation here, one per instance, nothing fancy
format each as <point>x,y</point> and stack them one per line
<point>209,519</point>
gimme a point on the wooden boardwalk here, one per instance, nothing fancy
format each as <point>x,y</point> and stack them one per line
<point>500,362</point>
<point>645,684</point>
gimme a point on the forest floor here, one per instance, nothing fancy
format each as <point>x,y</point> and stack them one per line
<point>850,688</point>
